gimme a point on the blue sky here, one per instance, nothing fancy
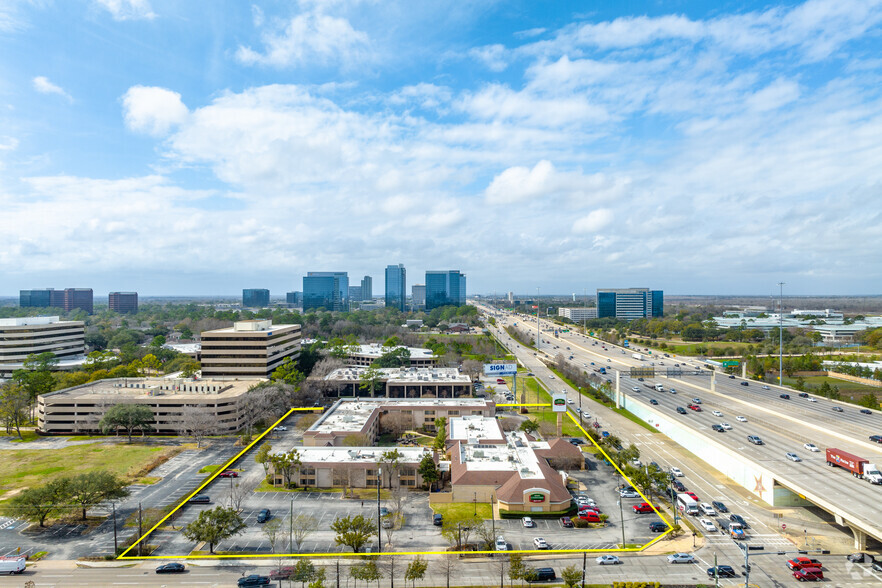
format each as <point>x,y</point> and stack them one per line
<point>204,147</point>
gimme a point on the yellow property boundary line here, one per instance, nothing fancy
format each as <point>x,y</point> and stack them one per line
<point>230,462</point>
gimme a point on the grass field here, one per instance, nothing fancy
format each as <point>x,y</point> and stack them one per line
<point>685,348</point>
<point>22,468</point>
<point>458,509</point>
<point>850,389</point>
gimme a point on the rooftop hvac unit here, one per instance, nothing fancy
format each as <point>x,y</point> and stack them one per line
<point>494,458</point>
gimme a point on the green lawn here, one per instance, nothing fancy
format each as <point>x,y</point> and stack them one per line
<point>209,469</point>
<point>459,509</point>
<point>26,435</point>
<point>687,348</point>
<point>852,389</point>
<point>22,468</point>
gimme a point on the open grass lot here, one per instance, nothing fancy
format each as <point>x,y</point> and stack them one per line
<point>26,468</point>
<point>850,389</point>
<point>462,509</point>
<point>683,348</point>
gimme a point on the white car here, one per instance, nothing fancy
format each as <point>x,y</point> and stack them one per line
<point>708,525</point>
<point>811,447</point>
<point>741,419</point>
<point>792,456</point>
<point>810,399</point>
<point>716,413</point>
<point>540,543</point>
<point>629,494</point>
<point>681,558</point>
<point>636,463</point>
<point>605,560</point>
<point>501,544</point>
<point>635,389</point>
<point>552,377</point>
<point>585,500</point>
<point>677,472</point>
<point>726,426</point>
<point>571,401</point>
<point>765,387</point>
<point>281,428</point>
<point>528,522</point>
<point>707,509</point>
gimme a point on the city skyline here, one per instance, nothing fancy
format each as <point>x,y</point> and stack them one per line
<point>152,146</point>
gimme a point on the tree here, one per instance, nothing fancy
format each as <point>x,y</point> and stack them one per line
<point>214,525</point>
<point>441,436</point>
<point>571,576</point>
<point>263,457</point>
<point>91,488</point>
<point>127,417</point>
<point>366,571</point>
<point>286,464</point>
<point>529,426</point>
<point>517,570</point>
<point>869,400</point>
<point>288,373</point>
<point>318,580</point>
<point>428,470</point>
<point>356,440</point>
<point>302,526</point>
<point>391,463</point>
<point>353,531</point>
<point>456,528</point>
<point>398,357</point>
<point>416,570</point>
<point>197,423</point>
<point>371,379</point>
<point>14,403</point>
<point>304,571</point>
<point>273,531</point>
<point>37,504</point>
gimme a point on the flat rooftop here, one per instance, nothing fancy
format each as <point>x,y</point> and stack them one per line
<point>473,427</point>
<point>250,326</point>
<point>34,320</point>
<point>357,454</point>
<point>184,389</point>
<point>516,455</point>
<point>404,375</point>
<point>351,414</point>
<point>376,350</point>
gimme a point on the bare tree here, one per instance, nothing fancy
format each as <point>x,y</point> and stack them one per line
<point>273,531</point>
<point>399,493</point>
<point>548,430</point>
<point>509,424</point>
<point>472,368</point>
<point>302,526</point>
<point>197,422</point>
<point>236,494</point>
<point>445,565</point>
<point>396,423</point>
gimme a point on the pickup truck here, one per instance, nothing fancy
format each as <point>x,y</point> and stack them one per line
<point>736,531</point>
<point>797,563</point>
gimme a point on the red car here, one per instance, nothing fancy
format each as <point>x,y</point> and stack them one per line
<point>803,562</point>
<point>500,381</point>
<point>808,574</point>
<point>589,516</point>
<point>692,494</point>
<point>588,508</point>
<point>566,522</point>
<point>642,507</point>
<point>694,407</point>
<point>228,474</point>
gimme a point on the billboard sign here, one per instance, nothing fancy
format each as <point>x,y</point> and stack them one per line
<point>500,369</point>
<point>537,497</point>
<point>559,402</point>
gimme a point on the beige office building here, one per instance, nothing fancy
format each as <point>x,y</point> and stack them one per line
<point>248,349</point>
<point>78,410</point>
<point>20,337</point>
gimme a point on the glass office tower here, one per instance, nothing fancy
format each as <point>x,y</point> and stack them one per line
<point>445,288</point>
<point>396,286</point>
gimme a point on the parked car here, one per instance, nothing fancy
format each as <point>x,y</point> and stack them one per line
<point>543,575</point>
<point>677,472</point>
<point>171,568</point>
<point>643,507</point>
<point>629,493</point>
<point>228,474</point>
<point>658,527</point>
<point>566,522</point>
<point>438,520</point>
<point>253,580</point>
<point>721,572</point>
<point>264,515</point>
<point>589,516</point>
<point>501,544</point>
<point>678,486</point>
<point>675,558</point>
<point>200,499</point>
<point>528,522</point>
<point>608,560</point>
<point>281,428</point>
<point>282,573</point>
<point>540,543</point>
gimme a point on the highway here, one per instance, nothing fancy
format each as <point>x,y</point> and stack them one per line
<point>784,425</point>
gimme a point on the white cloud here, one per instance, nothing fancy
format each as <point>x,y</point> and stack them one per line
<point>8,143</point>
<point>44,86</point>
<point>310,37</point>
<point>775,95</point>
<point>128,9</point>
<point>426,96</point>
<point>494,57</point>
<point>595,221</point>
<point>520,183</point>
<point>153,110</point>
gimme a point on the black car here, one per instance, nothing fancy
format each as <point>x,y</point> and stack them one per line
<point>681,410</point>
<point>876,438</point>
<point>200,499</point>
<point>678,486</point>
<point>655,467</point>
<point>658,527</point>
<point>745,384</point>
<point>264,515</point>
<point>438,520</point>
<point>731,377</point>
<point>718,428</point>
<point>541,575</point>
<point>837,408</point>
<point>866,411</point>
<point>738,519</point>
<point>253,580</point>
<point>785,396</point>
<point>803,394</point>
<point>171,568</point>
<point>860,558</point>
<point>719,506</point>
<point>721,572</point>
<point>653,401</point>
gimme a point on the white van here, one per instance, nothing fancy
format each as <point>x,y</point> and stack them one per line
<point>12,565</point>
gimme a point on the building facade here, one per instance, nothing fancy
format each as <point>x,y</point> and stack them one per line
<point>418,296</point>
<point>630,303</point>
<point>123,302</point>
<point>367,288</point>
<point>248,349</point>
<point>365,355</point>
<point>396,287</point>
<point>577,315</point>
<point>255,298</point>
<point>355,293</point>
<point>78,298</point>
<point>328,290</point>
<point>293,298</point>
<point>79,410</point>
<point>411,382</point>
<point>21,337</point>
<point>445,288</point>
<point>44,298</point>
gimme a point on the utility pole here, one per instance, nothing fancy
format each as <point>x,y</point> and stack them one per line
<point>716,572</point>
<point>379,520</point>
<point>291,528</point>
<point>584,563</point>
<point>538,330</point>
<point>140,530</point>
<point>781,336</point>
<point>622,520</point>
<point>115,545</point>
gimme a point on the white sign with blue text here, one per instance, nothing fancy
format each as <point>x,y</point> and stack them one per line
<point>500,369</point>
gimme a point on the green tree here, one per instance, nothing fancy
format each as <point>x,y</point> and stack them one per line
<point>392,341</point>
<point>127,417</point>
<point>14,403</point>
<point>288,373</point>
<point>416,570</point>
<point>37,504</point>
<point>529,426</point>
<point>441,435</point>
<point>353,531</point>
<point>263,457</point>
<point>391,462</point>
<point>367,571</point>
<point>214,525</point>
<point>429,470</point>
<point>869,400</point>
<point>371,379</point>
<point>398,357</point>
<point>304,571</point>
<point>36,374</point>
<point>157,342</point>
<point>319,579</point>
<point>91,488</point>
<point>516,568</point>
<point>571,576</point>
<point>286,464</point>
<point>457,528</point>
<point>186,333</point>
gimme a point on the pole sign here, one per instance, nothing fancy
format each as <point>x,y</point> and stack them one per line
<point>500,369</point>
<point>559,402</point>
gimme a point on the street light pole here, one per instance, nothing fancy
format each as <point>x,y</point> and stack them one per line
<point>379,521</point>
<point>781,336</point>
<point>622,521</point>
<point>538,330</point>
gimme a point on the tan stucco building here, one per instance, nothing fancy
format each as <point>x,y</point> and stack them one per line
<point>248,349</point>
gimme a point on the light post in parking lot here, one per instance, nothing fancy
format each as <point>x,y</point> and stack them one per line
<point>379,520</point>
<point>622,518</point>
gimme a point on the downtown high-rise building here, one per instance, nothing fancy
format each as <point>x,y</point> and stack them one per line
<point>396,286</point>
<point>328,290</point>
<point>123,302</point>
<point>367,288</point>
<point>445,288</point>
<point>418,296</point>
<point>630,303</point>
<point>67,299</point>
<point>255,298</point>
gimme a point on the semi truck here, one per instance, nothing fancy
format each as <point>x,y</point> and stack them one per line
<point>858,466</point>
<point>637,356</point>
